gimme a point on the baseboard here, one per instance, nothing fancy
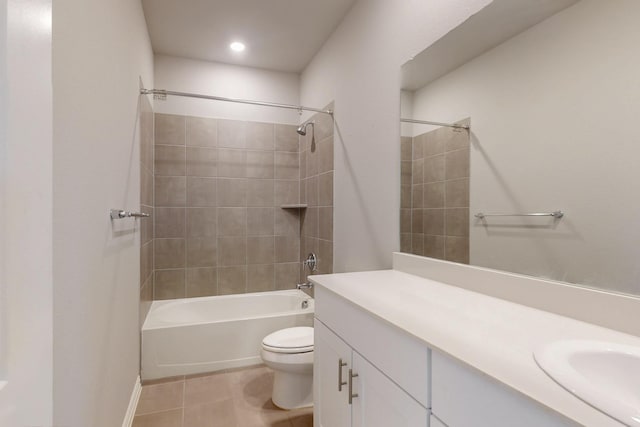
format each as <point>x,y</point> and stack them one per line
<point>133,404</point>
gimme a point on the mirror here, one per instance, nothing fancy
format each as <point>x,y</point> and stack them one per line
<point>551,91</point>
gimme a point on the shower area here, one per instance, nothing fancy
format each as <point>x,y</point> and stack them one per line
<point>235,208</point>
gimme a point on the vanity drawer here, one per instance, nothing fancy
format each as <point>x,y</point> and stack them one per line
<point>463,397</point>
<point>401,357</point>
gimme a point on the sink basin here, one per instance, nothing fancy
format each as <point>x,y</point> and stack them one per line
<point>604,375</point>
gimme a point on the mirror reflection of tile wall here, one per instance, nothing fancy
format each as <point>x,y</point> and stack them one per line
<point>434,217</point>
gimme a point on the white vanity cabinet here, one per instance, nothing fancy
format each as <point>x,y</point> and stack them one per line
<point>380,402</point>
<point>386,368</point>
<point>463,397</point>
<point>332,359</point>
<point>460,396</point>
<point>430,354</point>
<point>350,391</point>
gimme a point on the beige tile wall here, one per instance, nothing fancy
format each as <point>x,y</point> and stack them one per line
<point>316,190</point>
<point>406,188</point>
<point>434,206</point>
<point>219,228</point>
<point>146,205</point>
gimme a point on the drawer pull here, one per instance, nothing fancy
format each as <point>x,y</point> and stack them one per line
<point>340,382</point>
<point>351,393</point>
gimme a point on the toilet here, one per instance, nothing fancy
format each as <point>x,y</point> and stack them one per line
<point>289,352</point>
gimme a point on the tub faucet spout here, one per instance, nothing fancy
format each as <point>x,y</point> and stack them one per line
<point>307,285</point>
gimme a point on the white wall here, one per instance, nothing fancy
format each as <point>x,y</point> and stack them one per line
<point>25,213</point>
<point>406,112</point>
<point>359,68</point>
<point>230,81</point>
<point>553,115</point>
<point>100,48</point>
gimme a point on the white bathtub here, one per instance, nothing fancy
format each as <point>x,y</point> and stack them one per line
<point>196,335</point>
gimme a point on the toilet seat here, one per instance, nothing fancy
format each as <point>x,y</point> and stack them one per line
<point>291,340</point>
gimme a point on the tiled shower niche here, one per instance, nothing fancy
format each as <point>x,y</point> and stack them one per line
<point>219,227</point>
<point>434,214</point>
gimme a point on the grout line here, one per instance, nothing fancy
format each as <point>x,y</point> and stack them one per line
<point>184,398</point>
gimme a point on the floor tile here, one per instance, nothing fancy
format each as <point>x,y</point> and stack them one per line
<point>236,398</point>
<point>252,388</point>
<point>163,380</point>
<point>207,389</point>
<point>301,417</point>
<point>217,414</point>
<point>253,418</point>
<point>160,397</point>
<point>171,418</point>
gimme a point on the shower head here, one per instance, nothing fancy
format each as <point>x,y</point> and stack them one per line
<point>302,129</point>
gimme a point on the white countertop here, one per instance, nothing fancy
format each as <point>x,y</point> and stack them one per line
<point>494,336</point>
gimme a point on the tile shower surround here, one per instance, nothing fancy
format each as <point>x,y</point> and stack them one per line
<point>146,206</point>
<point>434,215</point>
<point>219,228</point>
<point>316,190</point>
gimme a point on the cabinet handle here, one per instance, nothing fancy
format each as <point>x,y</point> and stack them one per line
<point>340,382</point>
<point>351,393</point>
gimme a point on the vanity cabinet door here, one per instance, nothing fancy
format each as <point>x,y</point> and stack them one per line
<point>380,402</point>
<point>332,361</point>
<point>465,397</point>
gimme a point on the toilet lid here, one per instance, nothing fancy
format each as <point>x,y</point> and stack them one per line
<point>290,340</point>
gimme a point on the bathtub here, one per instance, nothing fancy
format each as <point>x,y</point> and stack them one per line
<point>197,335</point>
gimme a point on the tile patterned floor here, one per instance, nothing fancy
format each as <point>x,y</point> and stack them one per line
<point>239,398</point>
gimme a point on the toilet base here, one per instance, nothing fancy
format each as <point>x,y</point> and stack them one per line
<point>292,390</point>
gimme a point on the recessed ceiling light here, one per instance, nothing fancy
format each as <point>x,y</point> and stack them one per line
<point>237,46</point>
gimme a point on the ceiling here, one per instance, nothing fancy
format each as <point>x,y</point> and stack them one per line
<point>280,35</point>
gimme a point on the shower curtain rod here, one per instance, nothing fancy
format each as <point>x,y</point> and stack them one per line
<point>425,122</point>
<point>300,108</point>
